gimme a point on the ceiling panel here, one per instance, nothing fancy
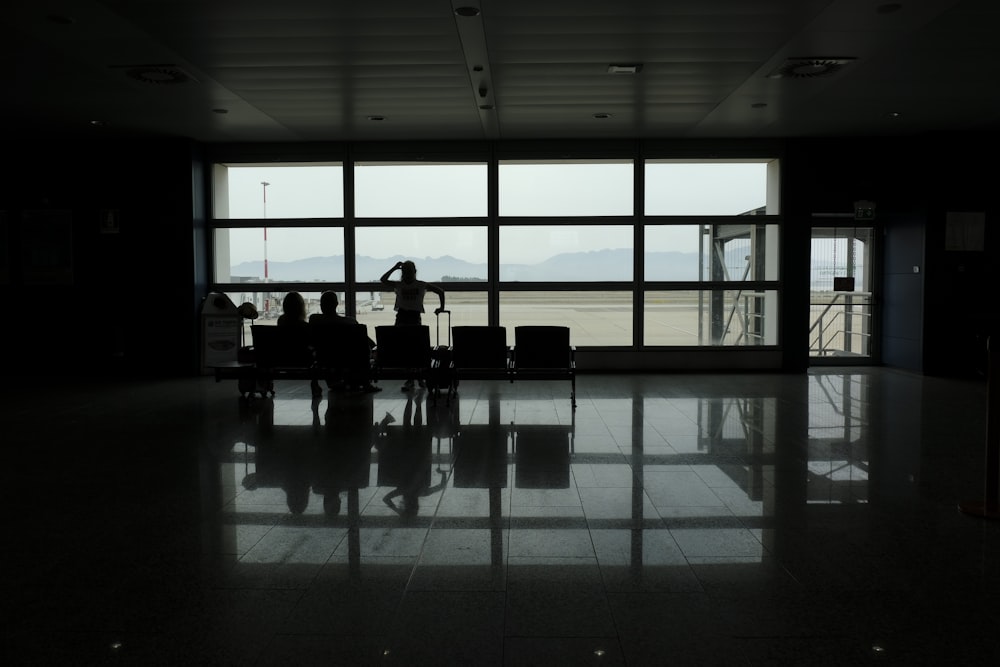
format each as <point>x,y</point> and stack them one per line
<point>316,70</point>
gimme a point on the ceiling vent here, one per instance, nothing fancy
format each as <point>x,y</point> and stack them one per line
<point>157,75</point>
<point>809,68</point>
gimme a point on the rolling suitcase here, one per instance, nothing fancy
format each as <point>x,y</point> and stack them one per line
<point>442,375</point>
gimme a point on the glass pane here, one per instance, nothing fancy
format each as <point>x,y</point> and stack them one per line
<point>566,188</point>
<point>594,318</point>
<point>711,252</point>
<point>840,252</point>
<point>676,252</point>
<point>279,254</point>
<point>840,283</point>
<point>711,317</point>
<point>565,253</point>
<point>278,191</point>
<point>441,253</point>
<point>705,188</point>
<point>420,190</point>
<point>467,308</point>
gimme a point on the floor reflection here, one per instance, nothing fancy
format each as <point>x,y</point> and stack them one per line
<point>635,482</point>
<point>733,519</point>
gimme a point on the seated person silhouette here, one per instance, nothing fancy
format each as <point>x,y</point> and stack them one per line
<point>293,311</point>
<point>327,318</point>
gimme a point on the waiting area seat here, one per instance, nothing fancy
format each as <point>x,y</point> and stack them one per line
<point>478,353</point>
<point>403,352</point>
<point>343,353</point>
<point>281,352</point>
<point>544,352</point>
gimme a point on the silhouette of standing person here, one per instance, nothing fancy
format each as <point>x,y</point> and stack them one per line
<point>410,294</point>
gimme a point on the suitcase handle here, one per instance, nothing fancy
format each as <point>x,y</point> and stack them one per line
<point>437,317</point>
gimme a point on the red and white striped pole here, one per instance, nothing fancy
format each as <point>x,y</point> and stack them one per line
<point>265,184</point>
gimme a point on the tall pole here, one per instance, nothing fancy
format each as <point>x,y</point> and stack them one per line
<point>265,184</point>
<point>267,295</point>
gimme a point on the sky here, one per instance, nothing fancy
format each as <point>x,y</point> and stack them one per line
<point>459,190</point>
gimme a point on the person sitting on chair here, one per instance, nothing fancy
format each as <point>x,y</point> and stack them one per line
<point>293,311</point>
<point>293,315</point>
<point>329,317</point>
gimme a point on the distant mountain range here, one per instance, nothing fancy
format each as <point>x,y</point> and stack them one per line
<point>602,265</point>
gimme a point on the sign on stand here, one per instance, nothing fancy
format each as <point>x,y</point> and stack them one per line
<point>220,332</point>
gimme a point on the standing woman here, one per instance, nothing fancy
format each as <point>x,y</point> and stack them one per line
<point>410,294</point>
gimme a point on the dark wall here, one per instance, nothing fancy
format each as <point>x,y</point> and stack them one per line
<point>901,293</point>
<point>960,305</point>
<point>127,302</point>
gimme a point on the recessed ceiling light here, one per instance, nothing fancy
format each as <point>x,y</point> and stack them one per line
<point>895,114</point>
<point>467,11</point>
<point>625,68</point>
<point>157,74</point>
<point>809,68</point>
<point>98,123</point>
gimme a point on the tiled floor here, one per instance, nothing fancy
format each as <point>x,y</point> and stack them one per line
<point>757,519</point>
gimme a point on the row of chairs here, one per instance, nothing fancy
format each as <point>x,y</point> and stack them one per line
<point>539,353</point>
<point>337,353</point>
<point>344,353</point>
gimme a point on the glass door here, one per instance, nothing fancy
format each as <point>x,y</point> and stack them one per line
<point>841,309</point>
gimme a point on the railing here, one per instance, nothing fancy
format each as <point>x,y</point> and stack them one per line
<point>824,332</point>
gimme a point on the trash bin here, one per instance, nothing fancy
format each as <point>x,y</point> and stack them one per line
<point>220,332</point>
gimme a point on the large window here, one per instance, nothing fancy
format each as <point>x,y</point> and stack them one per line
<point>637,252</point>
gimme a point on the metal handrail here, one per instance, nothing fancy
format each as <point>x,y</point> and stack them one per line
<point>824,325</point>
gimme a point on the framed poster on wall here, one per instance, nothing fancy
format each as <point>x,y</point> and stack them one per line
<point>47,247</point>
